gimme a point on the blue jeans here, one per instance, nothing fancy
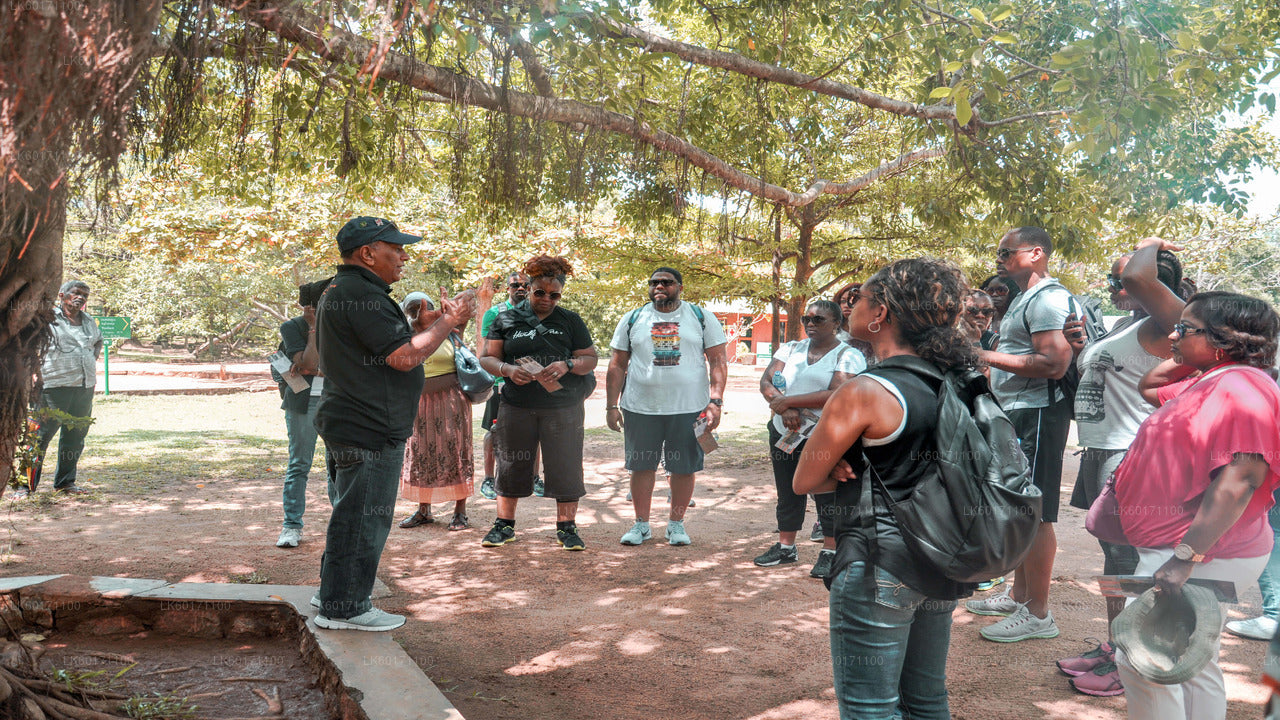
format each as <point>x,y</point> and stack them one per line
<point>302,449</point>
<point>1269,580</point>
<point>889,647</point>
<point>363,485</point>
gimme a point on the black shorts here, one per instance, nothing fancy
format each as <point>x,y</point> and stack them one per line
<point>1043,432</point>
<point>648,438</point>
<point>559,432</point>
<point>491,410</point>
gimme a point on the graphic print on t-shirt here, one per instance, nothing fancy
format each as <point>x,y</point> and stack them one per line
<point>1093,385</point>
<point>666,344</point>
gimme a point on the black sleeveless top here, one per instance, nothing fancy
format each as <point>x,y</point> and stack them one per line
<point>900,463</point>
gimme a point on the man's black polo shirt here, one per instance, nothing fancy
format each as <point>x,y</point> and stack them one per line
<point>366,402</point>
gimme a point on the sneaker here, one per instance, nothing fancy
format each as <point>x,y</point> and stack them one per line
<point>988,584</point>
<point>372,620</point>
<point>822,568</point>
<point>72,490</point>
<point>1000,604</point>
<point>1102,681</point>
<point>776,555</point>
<point>487,489</point>
<point>499,535</point>
<point>1076,666</point>
<point>637,534</point>
<point>815,535</point>
<point>1259,628</point>
<point>289,538</point>
<point>676,534</point>
<point>570,539</point>
<point>18,493</point>
<point>1021,625</point>
<point>539,487</point>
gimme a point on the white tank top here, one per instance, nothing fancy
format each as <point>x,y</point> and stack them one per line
<point>1109,408</point>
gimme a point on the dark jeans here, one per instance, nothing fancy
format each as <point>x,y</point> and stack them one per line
<point>364,484</point>
<point>1269,580</point>
<point>889,647</point>
<point>73,401</point>
<point>791,507</point>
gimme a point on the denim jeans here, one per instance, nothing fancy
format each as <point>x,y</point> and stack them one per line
<point>302,449</point>
<point>1269,580</point>
<point>73,401</point>
<point>889,647</point>
<point>364,484</point>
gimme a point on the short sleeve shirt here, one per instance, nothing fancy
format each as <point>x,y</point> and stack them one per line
<point>71,360</point>
<point>565,333</point>
<point>1181,447</point>
<point>667,373</point>
<point>366,403</point>
<point>800,378</point>
<point>1044,307</point>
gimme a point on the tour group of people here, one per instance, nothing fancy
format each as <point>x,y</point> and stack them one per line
<point>1177,410</point>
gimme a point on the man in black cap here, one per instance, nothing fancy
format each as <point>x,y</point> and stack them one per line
<point>372,365</point>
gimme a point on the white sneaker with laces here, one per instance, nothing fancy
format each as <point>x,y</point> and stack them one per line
<point>289,538</point>
<point>638,533</point>
<point>998,604</point>
<point>676,534</point>
<point>1259,628</point>
<point>372,620</point>
<point>1021,625</point>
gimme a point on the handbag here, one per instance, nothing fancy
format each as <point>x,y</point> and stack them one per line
<point>1103,520</point>
<point>476,384</point>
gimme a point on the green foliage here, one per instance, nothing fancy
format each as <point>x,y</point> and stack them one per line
<point>159,706</point>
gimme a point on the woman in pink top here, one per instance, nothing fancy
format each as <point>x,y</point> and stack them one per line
<point>1196,485</point>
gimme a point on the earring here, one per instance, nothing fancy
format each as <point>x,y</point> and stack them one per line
<point>875,329</point>
<point>1218,354</point>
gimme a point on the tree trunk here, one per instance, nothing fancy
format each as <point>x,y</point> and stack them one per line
<point>68,73</point>
<point>803,271</point>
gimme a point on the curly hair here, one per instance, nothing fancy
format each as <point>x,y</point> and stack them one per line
<point>1243,327</point>
<point>540,266</point>
<point>925,297</point>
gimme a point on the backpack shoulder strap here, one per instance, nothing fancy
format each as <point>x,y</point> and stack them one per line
<point>631,323</point>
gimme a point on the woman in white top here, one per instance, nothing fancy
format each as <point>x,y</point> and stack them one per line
<point>797,383</point>
<point>1109,409</point>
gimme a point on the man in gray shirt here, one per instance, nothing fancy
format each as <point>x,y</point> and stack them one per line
<point>1033,353</point>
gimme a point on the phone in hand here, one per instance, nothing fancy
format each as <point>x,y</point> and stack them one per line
<point>1071,305</point>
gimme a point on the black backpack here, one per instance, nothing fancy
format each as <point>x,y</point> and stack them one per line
<point>1089,310</point>
<point>975,516</point>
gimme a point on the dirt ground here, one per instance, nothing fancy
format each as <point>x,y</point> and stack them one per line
<point>532,631</point>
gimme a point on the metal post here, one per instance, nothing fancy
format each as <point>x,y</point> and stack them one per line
<point>106,367</point>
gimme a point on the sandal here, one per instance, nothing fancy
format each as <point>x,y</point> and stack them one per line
<point>416,519</point>
<point>459,522</point>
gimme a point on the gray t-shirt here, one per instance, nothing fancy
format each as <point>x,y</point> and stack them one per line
<point>1044,307</point>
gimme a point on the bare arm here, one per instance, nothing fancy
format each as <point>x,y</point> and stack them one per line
<point>614,379</point>
<point>491,360</point>
<point>860,407</point>
<point>1142,283</point>
<point>1049,357</point>
<point>718,366</point>
<point>423,344</point>
<point>767,388</point>
<point>1167,372</point>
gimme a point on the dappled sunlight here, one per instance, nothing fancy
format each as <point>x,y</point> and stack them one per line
<point>1080,709</point>
<point>638,642</point>
<point>816,620</point>
<point>576,652</point>
<point>808,709</point>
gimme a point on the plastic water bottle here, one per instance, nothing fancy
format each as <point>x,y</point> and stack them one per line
<point>780,382</point>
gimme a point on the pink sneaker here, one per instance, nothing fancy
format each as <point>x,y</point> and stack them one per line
<point>1081,664</point>
<point>1102,681</point>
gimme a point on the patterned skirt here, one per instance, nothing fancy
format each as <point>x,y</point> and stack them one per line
<point>438,462</point>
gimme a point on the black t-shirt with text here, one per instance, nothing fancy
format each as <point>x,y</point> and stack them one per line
<point>564,333</point>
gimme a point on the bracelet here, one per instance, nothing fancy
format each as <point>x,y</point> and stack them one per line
<point>502,369</point>
<point>613,407</point>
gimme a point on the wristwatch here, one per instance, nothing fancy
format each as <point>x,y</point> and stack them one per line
<point>568,363</point>
<point>1186,553</point>
<point>716,401</point>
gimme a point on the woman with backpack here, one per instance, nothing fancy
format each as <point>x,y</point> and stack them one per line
<point>890,614</point>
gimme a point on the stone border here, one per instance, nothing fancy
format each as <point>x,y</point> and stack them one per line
<point>369,672</point>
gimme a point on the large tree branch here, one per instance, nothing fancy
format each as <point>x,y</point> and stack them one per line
<point>293,23</point>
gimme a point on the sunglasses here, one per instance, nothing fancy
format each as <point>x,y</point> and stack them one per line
<point>984,312</point>
<point>544,293</point>
<point>851,300</point>
<point>661,282</point>
<point>1184,330</point>
<point>1113,282</point>
<point>1005,253</point>
<point>812,319</point>
<point>518,286</point>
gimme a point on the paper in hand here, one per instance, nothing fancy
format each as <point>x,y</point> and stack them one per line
<point>533,367</point>
<point>706,439</point>
<point>789,442</point>
<point>283,366</point>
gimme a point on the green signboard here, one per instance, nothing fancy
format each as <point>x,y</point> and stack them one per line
<point>115,328</point>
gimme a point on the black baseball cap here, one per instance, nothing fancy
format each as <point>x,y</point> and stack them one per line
<point>363,230</point>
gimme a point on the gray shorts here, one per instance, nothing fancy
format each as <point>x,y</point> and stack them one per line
<point>669,438</point>
<point>517,434</point>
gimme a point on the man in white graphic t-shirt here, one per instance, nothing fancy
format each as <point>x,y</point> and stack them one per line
<point>668,368</point>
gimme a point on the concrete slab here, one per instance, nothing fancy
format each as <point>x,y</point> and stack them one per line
<point>14,583</point>
<point>118,587</point>
<point>393,686</point>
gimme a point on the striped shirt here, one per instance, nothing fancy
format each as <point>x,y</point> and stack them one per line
<point>73,352</point>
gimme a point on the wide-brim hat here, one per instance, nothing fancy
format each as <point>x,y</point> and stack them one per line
<point>360,231</point>
<point>1168,639</point>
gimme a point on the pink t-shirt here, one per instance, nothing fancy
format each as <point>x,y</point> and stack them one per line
<point>1162,479</point>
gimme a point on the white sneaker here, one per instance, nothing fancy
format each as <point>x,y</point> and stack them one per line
<point>637,534</point>
<point>676,534</point>
<point>372,620</point>
<point>1259,628</point>
<point>1021,625</point>
<point>998,604</point>
<point>289,538</point>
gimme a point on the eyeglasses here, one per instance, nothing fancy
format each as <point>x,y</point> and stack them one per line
<point>518,286</point>
<point>985,312</point>
<point>661,281</point>
<point>1184,330</point>
<point>1113,282</point>
<point>1004,254</point>
<point>851,299</point>
<point>812,319</point>
<point>544,293</point>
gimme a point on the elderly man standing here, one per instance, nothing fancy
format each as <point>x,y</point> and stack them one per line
<point>372,365</point>
<point>69,374</point>
<point>662,353</point>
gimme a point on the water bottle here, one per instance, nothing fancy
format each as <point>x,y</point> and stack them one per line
<point>780,382</point>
